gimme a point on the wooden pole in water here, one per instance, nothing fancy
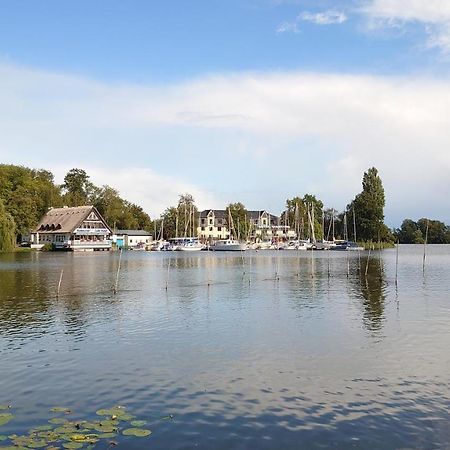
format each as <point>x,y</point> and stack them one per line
<point>425,249</point>
<point>379,256</point>
<point>312,262</point>
<point>367,262</point>
<point>328,257</point>
<point>396,265</point>
<point>59,284</point>
<point>167,279</point>
<point>116,285</point>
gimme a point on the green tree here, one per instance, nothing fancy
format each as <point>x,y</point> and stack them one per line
<point>77,188</point>
<point>367,209</point>
<point>7,230</point>
<point>297,217</point>
<point>187,215</point>
<point>238,222</point>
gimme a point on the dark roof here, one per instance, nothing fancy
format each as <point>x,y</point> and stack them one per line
<point>218,213</point>
<point>65,220</point>
<point>133,232</point>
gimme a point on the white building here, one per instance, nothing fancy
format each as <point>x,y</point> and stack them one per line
<point>80,228</point>
<point>132,238</point>
<point>212,225</point>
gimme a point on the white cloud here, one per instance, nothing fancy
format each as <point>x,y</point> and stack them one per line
<point>329,17</point>
<point>142,185</point>
<point>433,15</point>
<point>324,18</point>
<point>250,136</point>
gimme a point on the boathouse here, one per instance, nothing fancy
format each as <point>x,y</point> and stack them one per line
<point>132,239</point>
<point>80,228</point>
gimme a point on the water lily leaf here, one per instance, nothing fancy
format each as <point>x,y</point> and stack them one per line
<point>58,421</point>
<point>138,423</point>
<point>61,409</point>
<point>36,444</point>
<point>5,418</point>
<point>137,432</point>
<point>72,445</point>
<point>43,428</point>
<point>107,435</point>
<point>3,437</point>
<point>4,407</point>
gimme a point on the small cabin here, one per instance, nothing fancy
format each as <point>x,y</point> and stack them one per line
<point>132,238</point>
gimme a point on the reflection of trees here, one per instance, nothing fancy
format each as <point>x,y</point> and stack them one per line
<point>24,298</point>
<point>373,293</point>
<point>28,283</point>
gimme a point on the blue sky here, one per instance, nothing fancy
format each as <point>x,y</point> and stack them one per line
<point>249,100</point>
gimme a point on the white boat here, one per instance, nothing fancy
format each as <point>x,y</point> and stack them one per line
<point>324,245</point>
<point>230,245</point>
<point>190,245</point>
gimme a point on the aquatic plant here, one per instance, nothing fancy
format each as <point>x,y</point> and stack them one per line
<point>61,432</point>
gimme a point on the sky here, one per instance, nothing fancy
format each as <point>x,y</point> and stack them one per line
<point>233,100</point>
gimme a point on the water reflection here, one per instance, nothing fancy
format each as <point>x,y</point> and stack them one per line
<point>373,290</point>
<point>263,350</point>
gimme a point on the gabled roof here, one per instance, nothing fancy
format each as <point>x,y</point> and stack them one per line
<point>65,220</point>
<point>218,213</point>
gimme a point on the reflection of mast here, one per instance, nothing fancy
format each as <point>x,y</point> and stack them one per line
<point>345,227</point>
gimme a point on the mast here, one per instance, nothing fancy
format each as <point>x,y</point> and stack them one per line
<point>354,224</point>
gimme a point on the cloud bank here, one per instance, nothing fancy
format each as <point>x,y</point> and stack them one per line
<point>251,137</point>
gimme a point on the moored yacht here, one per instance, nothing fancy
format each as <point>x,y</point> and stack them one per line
<point>230,245</point>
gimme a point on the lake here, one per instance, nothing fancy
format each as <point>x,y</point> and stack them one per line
<point>255,350</point>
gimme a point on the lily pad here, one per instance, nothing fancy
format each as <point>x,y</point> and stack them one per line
<point>137,432</point>
<point>61,409</point>
<point>3,437</point>
<point>4,407</point>
<point>5,418</point>
<point>72,445</point>
<point>138,423</point>
<point>58,421</point>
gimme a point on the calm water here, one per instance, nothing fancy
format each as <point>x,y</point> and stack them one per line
<point>267,350</point>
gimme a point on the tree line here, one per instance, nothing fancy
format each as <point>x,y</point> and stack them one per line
<point>27,194</point>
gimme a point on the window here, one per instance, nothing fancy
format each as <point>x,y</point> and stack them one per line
<point>210,221</point>
<point>219,228</point>
<point>203,228</point>
<point>210,228</point>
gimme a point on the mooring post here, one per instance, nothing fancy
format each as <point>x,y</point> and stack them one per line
<point>396,264</point>
<point>116,284</point>
<point>425,250</point>
<point>367,262</point>
<point>328,258</point>
<point>168,272</point>
<point>60,281</point>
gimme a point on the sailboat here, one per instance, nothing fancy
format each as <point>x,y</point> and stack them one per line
<point>230,245</point>
<point>346,244</point>
<point>190,244</point>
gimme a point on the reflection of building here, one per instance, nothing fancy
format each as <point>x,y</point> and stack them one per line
<point>132,238</point>
<point>213,224</point>
<point>80,228</point>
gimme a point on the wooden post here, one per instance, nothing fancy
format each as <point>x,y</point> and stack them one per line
<point>425,249</point>
<point>116,285</point>
<point>379,257</point>
<point>59,284</point>
<point>328,257</point>
<point>168,272</point>
<point>396,265</point>
<point>367,262</point>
